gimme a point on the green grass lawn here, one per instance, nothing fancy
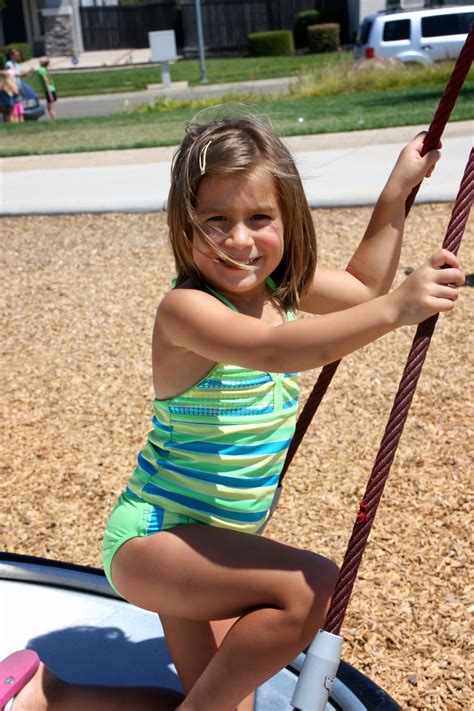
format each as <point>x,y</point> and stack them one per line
<point>324,114</point>
<point>80,83</point>
<point>333,94</point>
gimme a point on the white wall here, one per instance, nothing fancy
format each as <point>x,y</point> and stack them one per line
<point>358,9</point>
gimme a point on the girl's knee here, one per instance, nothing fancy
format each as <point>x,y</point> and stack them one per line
<point>312,593</point>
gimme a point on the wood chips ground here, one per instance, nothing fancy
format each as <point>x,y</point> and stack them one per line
<point>78,297</point>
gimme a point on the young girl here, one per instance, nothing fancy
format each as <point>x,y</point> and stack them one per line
<point>48,86</point>
<point>9,96</point>
<point>183,538</point>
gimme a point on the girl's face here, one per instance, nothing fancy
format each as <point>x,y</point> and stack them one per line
<point>242,216</point>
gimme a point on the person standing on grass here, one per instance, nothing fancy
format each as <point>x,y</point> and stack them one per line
<point>48,86</point>
<point>13,64</point>
<point>183,539</point>
<point>8,93</point>
<point>13,59</point>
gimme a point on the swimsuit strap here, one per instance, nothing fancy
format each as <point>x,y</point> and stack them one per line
<point>269,281</point>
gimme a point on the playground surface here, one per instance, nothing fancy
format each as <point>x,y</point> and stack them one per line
<point>80,295</point>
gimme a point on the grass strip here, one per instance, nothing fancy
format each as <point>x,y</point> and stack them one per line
<point>164,127</point>
<point>136,78</point>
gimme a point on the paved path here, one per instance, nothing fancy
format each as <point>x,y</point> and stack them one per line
<point>345,169</point>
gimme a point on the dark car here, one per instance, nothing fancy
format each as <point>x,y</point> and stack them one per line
<point>33,108</point>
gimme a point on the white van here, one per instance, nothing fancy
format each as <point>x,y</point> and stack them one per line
<point>415,36</point>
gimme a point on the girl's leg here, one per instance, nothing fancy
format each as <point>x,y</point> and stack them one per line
<point>51,110</point>
<point>279,593</point>
<point>45,692</point>
<point>192,644</point>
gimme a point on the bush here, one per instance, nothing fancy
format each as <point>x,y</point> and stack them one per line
<point>270,44</point>
<point>324,38</point>
<point>300,30</point>
<point>22,47</point>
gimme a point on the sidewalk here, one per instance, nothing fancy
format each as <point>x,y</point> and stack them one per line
<point>345,169</point>
<point>100,59</point>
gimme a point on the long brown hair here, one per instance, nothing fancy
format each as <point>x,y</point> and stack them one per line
<point>241,144</point>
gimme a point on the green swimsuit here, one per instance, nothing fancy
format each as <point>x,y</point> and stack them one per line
<point>214,455</point>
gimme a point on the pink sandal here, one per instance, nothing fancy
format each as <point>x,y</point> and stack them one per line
<point>16,670</point>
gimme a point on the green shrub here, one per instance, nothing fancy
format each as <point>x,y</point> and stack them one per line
<point>300,30</point>
<point>270,44</point>
<point>22,47</point>
<point>324,38</point>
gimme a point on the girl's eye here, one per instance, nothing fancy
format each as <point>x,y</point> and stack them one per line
<point>260,218</point>
<point>216,218</point>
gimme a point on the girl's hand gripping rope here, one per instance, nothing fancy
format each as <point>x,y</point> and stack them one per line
<point>411,167</point>
<point>430,289</point>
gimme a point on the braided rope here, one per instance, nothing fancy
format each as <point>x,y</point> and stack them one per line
<point>435,130</point>
<point>396,421</point>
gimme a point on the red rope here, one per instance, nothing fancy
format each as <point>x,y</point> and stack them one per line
<point>396,421</point>
<point>436,128</point>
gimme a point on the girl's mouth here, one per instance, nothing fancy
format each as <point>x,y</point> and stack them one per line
<point>240,262</point>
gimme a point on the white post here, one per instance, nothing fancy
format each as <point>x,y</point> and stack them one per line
<point>318,673</point>
<point>165,74</point>
<point>163,50</point>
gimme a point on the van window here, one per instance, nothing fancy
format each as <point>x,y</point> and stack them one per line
<point>443,25</point>
<point>364,32</point>
<point>395,30</point>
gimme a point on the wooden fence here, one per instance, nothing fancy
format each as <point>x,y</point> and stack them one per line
<point>127,26</point>
<point>226,23</point>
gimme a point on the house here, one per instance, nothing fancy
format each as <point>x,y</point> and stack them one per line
<point>54,26</point>
<point>49,26</point>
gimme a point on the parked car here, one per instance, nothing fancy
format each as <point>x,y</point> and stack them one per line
<point>424,35</point>
<point>34,109</point>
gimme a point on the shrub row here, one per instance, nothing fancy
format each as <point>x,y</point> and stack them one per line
<point>324,38</point>
<point>320,38</point>
<point>271,44</point>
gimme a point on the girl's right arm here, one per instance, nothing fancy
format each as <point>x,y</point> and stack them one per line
<point>197,322</point>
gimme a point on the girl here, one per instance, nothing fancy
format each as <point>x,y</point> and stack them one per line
<point>182,540</point>
<point>48,86</point>
<point>9,96</point>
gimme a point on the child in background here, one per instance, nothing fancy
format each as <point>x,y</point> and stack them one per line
<point>48,86</point>
<point>182,540</point>
<point>8,94</point>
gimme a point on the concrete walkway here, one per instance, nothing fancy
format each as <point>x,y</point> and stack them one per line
<point>101,59</point>
<point>345,169</point>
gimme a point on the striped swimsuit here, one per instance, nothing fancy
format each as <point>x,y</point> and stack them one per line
<point>214,455</point>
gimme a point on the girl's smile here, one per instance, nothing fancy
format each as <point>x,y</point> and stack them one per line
<point>241,215</point>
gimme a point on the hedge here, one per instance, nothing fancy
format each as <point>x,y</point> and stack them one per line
<point>269,44</point>
<point>324,38</point>
<point>300,30</point>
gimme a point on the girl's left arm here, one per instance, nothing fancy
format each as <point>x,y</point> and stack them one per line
<point>373,265</point>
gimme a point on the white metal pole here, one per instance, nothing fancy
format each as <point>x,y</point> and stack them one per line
<point>318,673</point>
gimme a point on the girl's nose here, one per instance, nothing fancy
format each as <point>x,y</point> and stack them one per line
<point>240,235</point>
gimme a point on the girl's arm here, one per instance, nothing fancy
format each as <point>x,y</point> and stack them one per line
<point>196,321</point>
<point>372,268</point>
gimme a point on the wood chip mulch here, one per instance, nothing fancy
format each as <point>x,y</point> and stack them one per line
<point>78,301</point>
